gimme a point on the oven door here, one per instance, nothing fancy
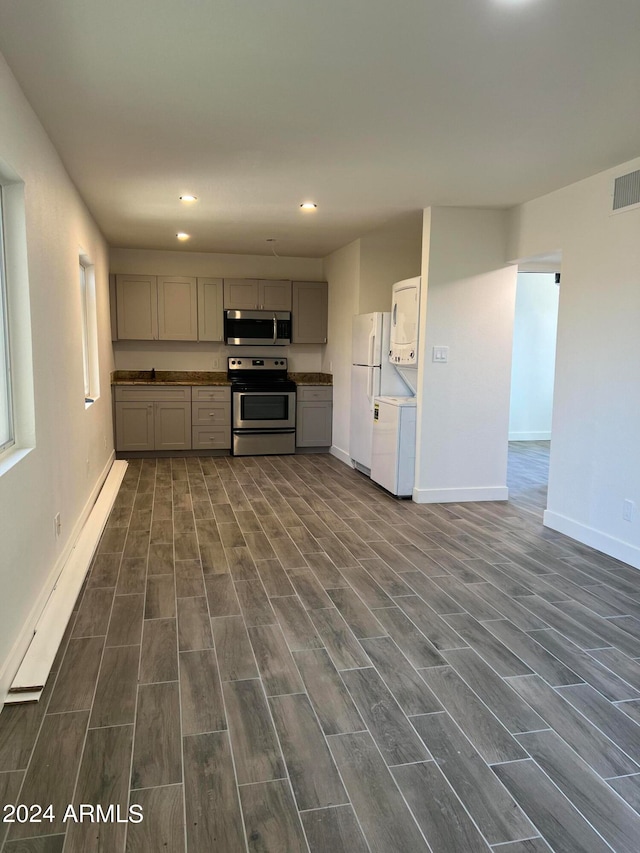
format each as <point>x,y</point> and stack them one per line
<point>264,409</point>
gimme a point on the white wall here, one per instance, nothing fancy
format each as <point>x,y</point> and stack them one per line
<point>72,445</point>
<point>534,355</point>
<point>595,462</point>
<point>192,355</point>
<point>467,304</point>
<point>360,278</point>
<point>391,253</point>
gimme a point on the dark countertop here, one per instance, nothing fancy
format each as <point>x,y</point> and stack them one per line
<point>169,377</point>
<point>311,378</point>
<point>201,377</point>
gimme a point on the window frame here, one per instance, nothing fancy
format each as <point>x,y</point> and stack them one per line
<point>90,356</point>
<point>7,426</point>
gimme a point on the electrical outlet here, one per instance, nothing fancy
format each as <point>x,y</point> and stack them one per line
<point>56,524</point>
<point>628,510</point>
<point>215,363</point>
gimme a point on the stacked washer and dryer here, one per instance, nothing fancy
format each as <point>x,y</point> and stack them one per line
<point>393,448</point>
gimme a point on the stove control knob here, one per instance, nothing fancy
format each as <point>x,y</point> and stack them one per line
<point>233,361</point>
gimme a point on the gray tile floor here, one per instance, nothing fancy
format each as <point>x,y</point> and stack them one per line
<point>272,655</point>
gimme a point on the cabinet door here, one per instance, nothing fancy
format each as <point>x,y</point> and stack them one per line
<point>274,295</point>
<point>172,426</point>
<point>134,426</point>
<point>137,307</point>
<point>210,317</point>
<point>177,308</point>
<point>313,424</point>
<point>241,293</point>
<point>309,311</point>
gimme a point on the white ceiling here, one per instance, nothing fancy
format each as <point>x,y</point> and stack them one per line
<point>369,107</point>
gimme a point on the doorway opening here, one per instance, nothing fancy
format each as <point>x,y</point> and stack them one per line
<point>532,381</point>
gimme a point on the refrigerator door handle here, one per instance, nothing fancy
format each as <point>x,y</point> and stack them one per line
<point>372,346</point>
<point>370,384</point>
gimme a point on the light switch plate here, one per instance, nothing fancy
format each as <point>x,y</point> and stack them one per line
<point>440,354</point>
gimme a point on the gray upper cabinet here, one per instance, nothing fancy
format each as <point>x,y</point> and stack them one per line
<point>210,327</point>
<point>151,308</point>
<point>137,307</point>
<point>253,293</point>
<point>241,293</point>
<point>274,295</point>
<point>177,308</point>
<point>309,312</point>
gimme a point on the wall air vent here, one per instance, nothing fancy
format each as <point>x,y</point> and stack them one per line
<point>626,192</point>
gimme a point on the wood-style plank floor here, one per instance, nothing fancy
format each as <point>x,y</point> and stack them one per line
<point>272,655</point>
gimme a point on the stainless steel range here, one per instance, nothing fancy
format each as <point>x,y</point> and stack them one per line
<point>263,406</point>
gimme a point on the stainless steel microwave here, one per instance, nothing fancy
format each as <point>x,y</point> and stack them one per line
<point>257,328</point>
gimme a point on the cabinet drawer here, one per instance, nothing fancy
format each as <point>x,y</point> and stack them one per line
<point>315,392</point>
<point>218,438</point>
<point>216,393</point>
<point>151,393</point>
<point>211,414</point>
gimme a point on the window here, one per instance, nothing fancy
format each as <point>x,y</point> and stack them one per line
<point>6,413</point>
<point>89,331</point>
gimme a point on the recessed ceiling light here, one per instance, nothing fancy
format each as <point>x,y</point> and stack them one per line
<point>308,205</point>
<point>182,236</point>
<point>188,198</point>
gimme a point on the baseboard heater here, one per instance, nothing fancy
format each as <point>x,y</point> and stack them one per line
<point>49,630</point>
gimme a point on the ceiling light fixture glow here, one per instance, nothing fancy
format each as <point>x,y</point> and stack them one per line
<point>308,205</point>
<point>182,236</point>
<point>188,198</point>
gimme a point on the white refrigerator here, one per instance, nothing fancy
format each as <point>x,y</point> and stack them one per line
<point>372,375</point>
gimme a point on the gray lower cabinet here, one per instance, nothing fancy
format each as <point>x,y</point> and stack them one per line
<point>211,417</point>
<point>152,417</point>
<point>314,415</point>
<point>172,426</point>
<point>134,426</point>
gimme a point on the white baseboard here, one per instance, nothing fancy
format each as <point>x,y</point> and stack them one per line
<point>342,455</point>
<point>530,436</point>
<point>474,493</point>
<point>17,653</point>
<point>593,538</point>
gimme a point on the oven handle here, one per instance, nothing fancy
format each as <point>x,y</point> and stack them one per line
<point>275,327</point>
